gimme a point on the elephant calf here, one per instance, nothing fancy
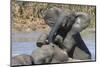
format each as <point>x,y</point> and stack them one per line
<point>48,54</point>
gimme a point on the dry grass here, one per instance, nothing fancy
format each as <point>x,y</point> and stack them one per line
<point>26,16</point>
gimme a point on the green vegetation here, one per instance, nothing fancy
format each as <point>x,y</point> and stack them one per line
<point>26,16</point>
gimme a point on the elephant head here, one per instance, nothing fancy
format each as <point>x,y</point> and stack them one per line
<point>51,16</point>
<point>82,21</point>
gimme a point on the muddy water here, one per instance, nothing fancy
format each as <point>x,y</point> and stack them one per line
<point>25,43</point>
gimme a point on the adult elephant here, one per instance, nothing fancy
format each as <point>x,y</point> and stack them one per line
<point>66,24</point>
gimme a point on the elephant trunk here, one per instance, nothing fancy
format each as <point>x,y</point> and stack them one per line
<point>57,25</point>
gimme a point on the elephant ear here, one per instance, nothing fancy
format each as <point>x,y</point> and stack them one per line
<point>82,21</point>
<point>84,18</point>
<point>50,16</point>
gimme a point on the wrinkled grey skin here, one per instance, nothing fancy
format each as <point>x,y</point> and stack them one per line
<point>60,56</point>
<point>41,54</point>
<point>22,60</point>
<point>70,41</point>
<point>48,54</point>
<point>42,40</point>
<point>57,18</point>
<point>70,34</point>
<point>81,22</point>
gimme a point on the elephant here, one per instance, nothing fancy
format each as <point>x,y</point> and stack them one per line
<point>22,60</point>
<point>79,50</point>
<point>53,15</point>
<point>42,40</point>
<point>73,37</point>
<point>48,54</point>
<point>68,25</point>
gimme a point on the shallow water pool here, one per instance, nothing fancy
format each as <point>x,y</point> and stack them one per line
<point>25,43</point>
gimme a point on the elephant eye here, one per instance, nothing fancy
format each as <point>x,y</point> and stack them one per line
<point>48,18</point>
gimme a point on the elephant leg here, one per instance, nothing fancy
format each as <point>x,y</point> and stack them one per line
<point>59,41</point>
<point>80,50</point>
<point>42,40</point>
<point>80,54</point>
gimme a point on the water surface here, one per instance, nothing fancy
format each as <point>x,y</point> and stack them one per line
<point>25,43</point>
